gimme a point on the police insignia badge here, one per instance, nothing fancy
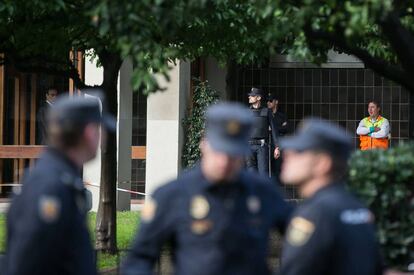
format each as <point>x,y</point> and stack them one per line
<point>253,204</point>
<point>199,207</point>
<point>299,231</point>
<point>49,208</point>
<point>233,127</point>
<point>148,212</point>
<point>200,227</point>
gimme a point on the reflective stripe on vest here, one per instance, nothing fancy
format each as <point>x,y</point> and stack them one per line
<point>367,142</point>
<point>367,122</point>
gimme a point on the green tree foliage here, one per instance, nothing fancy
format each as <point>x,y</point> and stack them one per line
<point>194,124</point>
<point>385,181</point>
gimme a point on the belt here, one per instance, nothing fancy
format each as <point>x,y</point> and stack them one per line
<point>257,142</point>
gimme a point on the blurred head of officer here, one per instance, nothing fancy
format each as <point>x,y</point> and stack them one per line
<point>51,95</point>
<point>225,144</point>
<point>316,156</point>
<point>255,96</point>
<point>74,126</point>
<point>374,109</point>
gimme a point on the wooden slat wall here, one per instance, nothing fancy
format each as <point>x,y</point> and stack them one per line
<point>1,117</point>
<point>20,151</point>
<point>22,120</point>
<point>33,96</point>
<point>138,152</point>
<point>16,126</point>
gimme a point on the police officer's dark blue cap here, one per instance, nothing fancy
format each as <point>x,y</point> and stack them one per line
<point>228,128</point>
<point>76,111</point>
<point>319,135</point>
<point>255,92</point>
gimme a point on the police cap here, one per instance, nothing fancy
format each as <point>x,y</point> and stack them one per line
<point>228,128</point>
<point>319,135</point>
<point>76,111</point>
<point>256,92</point>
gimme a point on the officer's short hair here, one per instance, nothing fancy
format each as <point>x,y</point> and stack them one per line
<point>51,88</point>
<point>65,136</point>
<point>339,167</point>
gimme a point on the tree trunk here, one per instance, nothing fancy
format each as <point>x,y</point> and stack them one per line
<point>106,217</point>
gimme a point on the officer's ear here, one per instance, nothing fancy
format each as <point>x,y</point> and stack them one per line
<point>324,164</point>
<point>259,97</point>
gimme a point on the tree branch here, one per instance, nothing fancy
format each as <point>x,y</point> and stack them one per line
<point>401,40</point>
<point>380,66</point>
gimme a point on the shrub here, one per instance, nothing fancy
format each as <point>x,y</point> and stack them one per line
<point>203,97</point>
<point>385,181</point>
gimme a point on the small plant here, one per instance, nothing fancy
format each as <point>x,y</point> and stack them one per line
<point>384,179</point>
<point>203,97</point>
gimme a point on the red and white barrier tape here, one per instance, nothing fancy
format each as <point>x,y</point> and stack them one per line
<point>119,189</point>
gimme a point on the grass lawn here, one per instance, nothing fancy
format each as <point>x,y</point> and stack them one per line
<point>126,228</point>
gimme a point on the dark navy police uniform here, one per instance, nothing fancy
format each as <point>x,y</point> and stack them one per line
<point>331,232</point>
<point>46,223</point>
<point>213,228</point>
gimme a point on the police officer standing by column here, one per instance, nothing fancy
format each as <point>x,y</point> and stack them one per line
<point>46,225</point>
<point>259,142</point>
<point>331,232</point>
<point>216,216</point>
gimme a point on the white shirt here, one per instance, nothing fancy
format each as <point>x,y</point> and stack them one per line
<point>362,130</point>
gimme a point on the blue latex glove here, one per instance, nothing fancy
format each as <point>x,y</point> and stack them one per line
<point>371,129</point>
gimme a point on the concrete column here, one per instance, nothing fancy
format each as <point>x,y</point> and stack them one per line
<point>165,112</point>
<point>124,135</point>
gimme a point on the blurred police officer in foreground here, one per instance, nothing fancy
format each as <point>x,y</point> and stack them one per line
<point>216,216</point>
<point>331,232</point>
<point>259,141</point>
<point>46,225</point>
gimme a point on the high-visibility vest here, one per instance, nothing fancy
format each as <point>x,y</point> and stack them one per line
<point>367,142</point>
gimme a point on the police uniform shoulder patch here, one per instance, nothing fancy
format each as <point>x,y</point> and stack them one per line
<point>299,231</point>
<point>199,207</point>
<point>233,127</point>
<point>148,212</point>
<point>200,227</point>
<point>253,204</point>
<point>49,208</point>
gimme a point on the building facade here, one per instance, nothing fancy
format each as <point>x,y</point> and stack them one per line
<point>151,134</point>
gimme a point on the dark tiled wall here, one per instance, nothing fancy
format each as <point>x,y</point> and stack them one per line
<point>138,178</point>
<point>340,95</point>
<point>139,138</point>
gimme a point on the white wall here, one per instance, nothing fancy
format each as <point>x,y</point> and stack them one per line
<point>92,170</point>
<point>165,111</point>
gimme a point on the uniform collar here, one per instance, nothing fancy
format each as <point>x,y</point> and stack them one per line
<point>207,185</point>
<point>64,159</point>
<point>332,186</point>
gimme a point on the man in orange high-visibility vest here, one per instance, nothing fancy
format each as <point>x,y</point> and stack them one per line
<point>374,130</point>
